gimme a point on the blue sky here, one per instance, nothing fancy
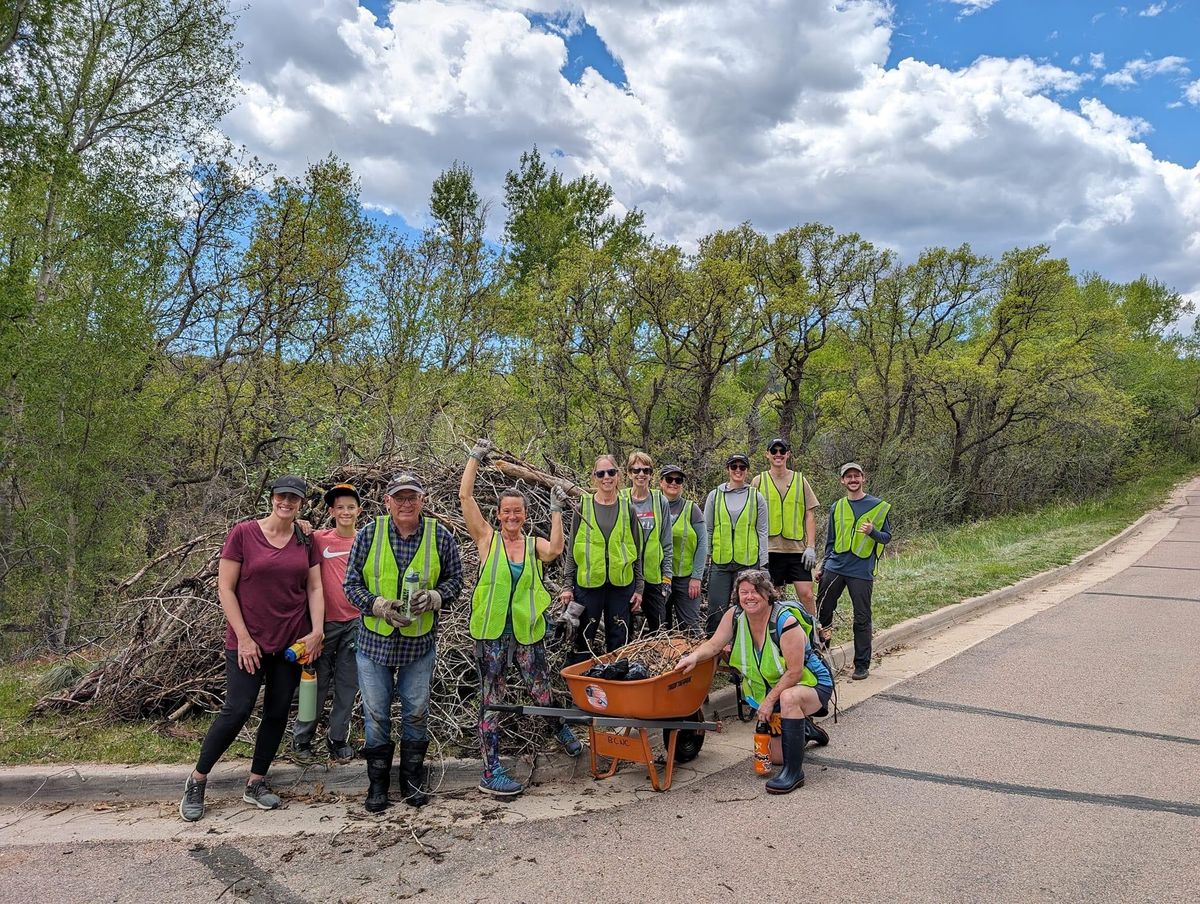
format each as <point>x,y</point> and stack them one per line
<point>915,123</point>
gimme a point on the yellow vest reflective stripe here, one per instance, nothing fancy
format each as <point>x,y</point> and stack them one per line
<point>684,540</point>
<point>652,548</point>
<point>784,515</point>
<point>735,542</point>
<point>597,561</point>
<point>760,674</point>
<point>495,595</point>
<point>382,576</point>
<point>846,537</point>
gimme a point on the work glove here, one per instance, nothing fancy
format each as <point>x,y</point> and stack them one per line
<point>425,601</point>
<point>572,613</point>
<point>558,495</point>
<point>809,558</point>
<point>481,450</point>
<point>391,611</point>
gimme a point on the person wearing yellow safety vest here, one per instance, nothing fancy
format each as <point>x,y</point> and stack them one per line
<point>650,507</point>
<point>858,530</point>
<point>508,611</point>
<point>791,515</point>
<point>689,550</point>
<point>604,561</point>
<point>780,670</point>
<point>736,516</point>
<point>398,632</point>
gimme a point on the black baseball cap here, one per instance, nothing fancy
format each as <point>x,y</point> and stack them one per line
<point>290,483</point>
<point>738,456</point>
<point>671,469</point>
<point>342,489</point>
<point>779,441</point>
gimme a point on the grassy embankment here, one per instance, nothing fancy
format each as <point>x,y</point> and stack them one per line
<point>933,569</point>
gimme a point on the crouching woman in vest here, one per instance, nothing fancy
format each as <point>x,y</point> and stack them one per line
<point>508,612</point>
<point>605,561</point>
<point>781,673</point>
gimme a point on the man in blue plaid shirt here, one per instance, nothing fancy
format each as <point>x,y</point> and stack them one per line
<point>403,569</point>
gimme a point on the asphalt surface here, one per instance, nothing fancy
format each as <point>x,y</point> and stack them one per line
<point>1056,760</point>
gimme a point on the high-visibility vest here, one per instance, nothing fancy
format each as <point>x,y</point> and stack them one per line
<point>735,542</point>
<point>784,515</point>
<point>495,595</point>
<point>652,548</point>
<point>684,540</point>
<point>846,537</point>
<point>597,561</point>
<point>381,574</point>
<point>762,672</point>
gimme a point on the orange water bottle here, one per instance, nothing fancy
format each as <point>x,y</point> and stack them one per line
<point>762,748</point>
<point>296,653</point>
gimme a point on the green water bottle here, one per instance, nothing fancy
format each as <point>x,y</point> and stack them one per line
<point>412,583</point>
<point>307,711</point>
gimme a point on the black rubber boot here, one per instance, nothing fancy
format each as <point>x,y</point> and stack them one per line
<point>379,767</point>
<point>791,776</point>
<point>814,733</point>
<point>412,773</point>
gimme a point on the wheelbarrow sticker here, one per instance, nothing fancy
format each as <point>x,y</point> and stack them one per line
<point>596,695</point>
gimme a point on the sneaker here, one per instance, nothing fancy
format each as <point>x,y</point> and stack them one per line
<point>191,807</point>
<point>498,783</point>
<point>567,739</point>
<point>303,753</point>
<point>859,673</point>
<point>339,750</point>
<point>260,794</point>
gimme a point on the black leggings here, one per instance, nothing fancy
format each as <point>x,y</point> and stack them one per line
<point>241,693</point>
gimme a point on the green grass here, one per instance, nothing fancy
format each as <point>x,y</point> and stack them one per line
<point>937,568</point>
<point>83,736</point>
<point>932,569</point>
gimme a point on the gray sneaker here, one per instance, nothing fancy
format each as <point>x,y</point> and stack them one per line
<point>260,794</point>
<point>191,807</point>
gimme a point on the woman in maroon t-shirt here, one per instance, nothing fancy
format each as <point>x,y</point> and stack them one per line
<point>269,583</point>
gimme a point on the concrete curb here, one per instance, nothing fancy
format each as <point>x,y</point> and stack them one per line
<point>69,783</point>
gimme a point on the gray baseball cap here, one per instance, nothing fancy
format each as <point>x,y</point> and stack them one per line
<point>406,481</point>
<point>290,483</point>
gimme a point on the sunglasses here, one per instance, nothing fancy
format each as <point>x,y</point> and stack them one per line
<point>778,451</point>
<point>674,478</point>
<point>738,467</point>
<point>641,470</point>
<point>606,472</point>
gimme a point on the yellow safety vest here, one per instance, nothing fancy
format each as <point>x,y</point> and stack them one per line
<point>762,672</point>
<point>784,515</point>
<point>381,574</point>
<point>735,542</point>
<point>684,540</point>
<point>495,595</point>
<point>652,548</point>
<point>846,537</point>
<point>597,561</point>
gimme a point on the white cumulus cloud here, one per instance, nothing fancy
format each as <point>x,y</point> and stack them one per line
<point>1136,70</point>
<point>777,113</point>
<point>1153,9</point>
<point>970,7</point>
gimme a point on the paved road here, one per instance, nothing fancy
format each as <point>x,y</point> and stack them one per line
<point>1057,760</point>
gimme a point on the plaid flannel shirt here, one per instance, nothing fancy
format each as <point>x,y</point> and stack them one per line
<point>397,650</point>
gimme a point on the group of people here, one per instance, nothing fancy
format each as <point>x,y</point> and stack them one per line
<point>365,602</point>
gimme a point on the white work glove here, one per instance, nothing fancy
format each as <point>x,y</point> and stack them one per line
<point>558,495</point>
<point>809,558</point>
<point>572,613</point>
<point>425,601</point>
<point>481,450</point>
<point>391,611</point>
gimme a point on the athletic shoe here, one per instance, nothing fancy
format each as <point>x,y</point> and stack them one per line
<point>339,750</point>
<point>567,739</point>
<point>303,753</point>
<point>814,732</point>
<point>499,784</point>
<point>191,807</point>
<point>260,794</point>
<point>860,674</point>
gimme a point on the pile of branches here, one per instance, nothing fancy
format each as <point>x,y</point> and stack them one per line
<point>168,660</point>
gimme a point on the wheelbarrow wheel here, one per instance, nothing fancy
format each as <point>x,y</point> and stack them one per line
<point>687,747</point>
